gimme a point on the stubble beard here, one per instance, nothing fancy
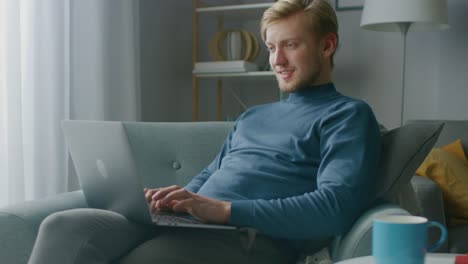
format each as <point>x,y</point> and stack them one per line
<point>301,83</point>
<point>296,85</point>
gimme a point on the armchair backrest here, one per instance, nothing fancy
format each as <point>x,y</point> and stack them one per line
<point>453,130</point>
<point>173,153</point>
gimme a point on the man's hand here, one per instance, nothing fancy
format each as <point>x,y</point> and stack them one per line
<point>154,203</point>
<point>180,200</point>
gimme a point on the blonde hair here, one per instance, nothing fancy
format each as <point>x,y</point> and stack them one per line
<point>322,17</point>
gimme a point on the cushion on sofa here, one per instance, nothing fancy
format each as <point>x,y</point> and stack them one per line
<point>456,148</point>
<point>403,150</point>
<point>450,173</point>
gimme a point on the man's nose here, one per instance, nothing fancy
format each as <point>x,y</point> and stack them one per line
<point>279,58</point>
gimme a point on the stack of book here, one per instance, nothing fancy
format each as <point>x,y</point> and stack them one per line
<point>224,67</point>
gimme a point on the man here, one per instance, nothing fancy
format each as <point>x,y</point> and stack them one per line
<point>296,170</point>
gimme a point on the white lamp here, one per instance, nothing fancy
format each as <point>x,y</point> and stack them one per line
<point>401,16</point>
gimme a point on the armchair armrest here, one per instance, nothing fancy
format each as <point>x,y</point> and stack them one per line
<point>431,204</point>
<point>358,241</point>
<point>430,199</point>
<point>19,223</point>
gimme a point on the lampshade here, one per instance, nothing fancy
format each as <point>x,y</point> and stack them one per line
<point>423,15</point>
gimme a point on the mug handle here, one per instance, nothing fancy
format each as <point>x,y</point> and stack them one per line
<point>443,235</point>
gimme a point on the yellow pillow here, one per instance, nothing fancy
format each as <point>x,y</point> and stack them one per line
<point>450,173</point>
<point>458,221</point>
<point>455,148</point>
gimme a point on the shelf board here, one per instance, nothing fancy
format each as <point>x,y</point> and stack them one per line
<point>266,74</point>
<point>253,11</point>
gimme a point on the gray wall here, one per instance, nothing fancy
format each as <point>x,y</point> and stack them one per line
<point>166,59</point>
<point>450,73</point>
<point>368,66</point>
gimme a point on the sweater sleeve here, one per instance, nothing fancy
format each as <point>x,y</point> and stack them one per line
<point>197,182</point>
<point>350,147</point>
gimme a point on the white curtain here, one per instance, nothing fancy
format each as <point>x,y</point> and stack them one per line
<point>60,59</point>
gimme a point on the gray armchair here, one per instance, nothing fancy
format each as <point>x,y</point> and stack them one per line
<point>177,151</point>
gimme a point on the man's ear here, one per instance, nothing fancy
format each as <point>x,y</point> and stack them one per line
<point>329,42</point>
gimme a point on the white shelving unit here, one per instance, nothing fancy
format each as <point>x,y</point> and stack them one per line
<point>244,11</point>
<point>241,12</point>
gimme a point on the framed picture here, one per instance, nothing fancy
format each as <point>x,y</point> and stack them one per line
<point>349,4</point>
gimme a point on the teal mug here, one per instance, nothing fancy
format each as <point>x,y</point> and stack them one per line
<point>403,239</point>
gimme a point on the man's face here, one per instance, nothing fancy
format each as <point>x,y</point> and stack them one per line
<point>296,55</point>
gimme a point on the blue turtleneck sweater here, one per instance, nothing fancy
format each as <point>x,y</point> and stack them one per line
<point>299,168</point>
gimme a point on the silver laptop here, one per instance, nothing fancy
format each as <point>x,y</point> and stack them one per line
<point>108,174</point>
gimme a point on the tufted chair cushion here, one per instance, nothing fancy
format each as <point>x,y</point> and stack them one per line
<point>173,153</point>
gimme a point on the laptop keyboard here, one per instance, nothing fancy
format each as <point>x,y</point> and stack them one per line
<point>171,219</point>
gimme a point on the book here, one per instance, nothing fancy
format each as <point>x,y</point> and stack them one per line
<point>224,66</point>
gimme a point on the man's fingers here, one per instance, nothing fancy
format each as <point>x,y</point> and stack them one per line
<point>162,192</point>
<point>156,206</point>
<point>149,193</point>
<point>188,206</point>
<point>179,194</point>
<point>182,205</point>
<point>152,206</point>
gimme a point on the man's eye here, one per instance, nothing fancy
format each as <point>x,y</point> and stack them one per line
<point>271,49</point>
<point>291,45</point>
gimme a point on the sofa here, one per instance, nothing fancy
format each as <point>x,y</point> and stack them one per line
<point>171,153</point>
<point>429,198</point>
